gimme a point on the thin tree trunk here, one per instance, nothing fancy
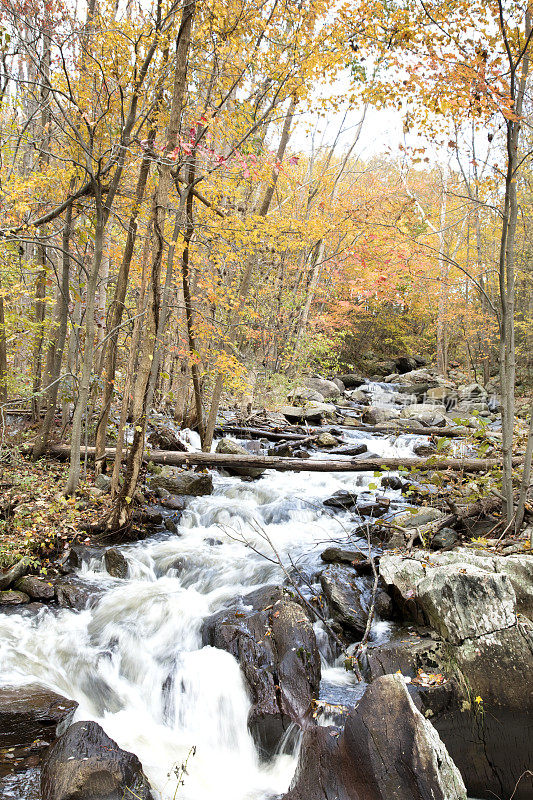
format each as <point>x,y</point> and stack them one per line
<point>87,366</point>
<point>3,352</point>
<point>57,345</point>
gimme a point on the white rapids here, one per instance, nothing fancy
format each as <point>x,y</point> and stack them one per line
<point>135,661</point>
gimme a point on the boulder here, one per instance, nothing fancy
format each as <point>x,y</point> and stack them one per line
<point>373,416</point>
<point>230,447</point>
<point>359,397</point>
<point>276,647</point>
<point>326,440</point>
<point>311,412</point>
<point>306,393</point>
<point>115,563</point>
<point>463,602</point>
<point>352,380</point>
<point>444,539</point>
<point>339,384</point>
<point>31,712</point>
<point>336,555</point>
<point>76,593</point>
<point>36,588</point>
<point>185,483</point>
<point>11,597</point>
<point>424,449</point>
<point>342,499</point>
<point>387,751</point>
<point>85,763</point>
<point>427,414</point>
<point>347,596</point>
<point>328,389</point>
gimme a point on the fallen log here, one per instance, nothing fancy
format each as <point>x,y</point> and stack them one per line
<point>222,460</point>
<point>275,436</point>
<point>263,433</point>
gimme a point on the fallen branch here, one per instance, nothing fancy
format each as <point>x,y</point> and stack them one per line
<point>215,460</point>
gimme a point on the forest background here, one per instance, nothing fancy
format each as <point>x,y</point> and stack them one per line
<point>187,216</point>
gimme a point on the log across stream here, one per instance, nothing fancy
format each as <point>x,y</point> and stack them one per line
<point>282,464</point>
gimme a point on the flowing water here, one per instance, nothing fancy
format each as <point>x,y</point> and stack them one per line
<point>135,662</point>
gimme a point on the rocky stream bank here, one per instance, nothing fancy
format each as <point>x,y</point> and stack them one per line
<point>284,634</point>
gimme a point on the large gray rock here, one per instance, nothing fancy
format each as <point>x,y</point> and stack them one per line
<point>328,389</point>
<point>185,483</point>
<point>427,414</point>
<point>31,712</point>
<point>387,751</point>
<point>463,602</point>
<point>373,416</point>
<point>310,412</point>
<point>232,448</point>
<point>85,764</point>
<point>306,393</point>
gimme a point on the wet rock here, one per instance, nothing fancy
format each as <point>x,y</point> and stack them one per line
<point>85,763</point>
<point>284,449</point>
<point>327,389</point>
<point>425,449</point>
<point>276,647</point>
<point>349,450</point>
<point>12,575</point>
<point>185,483</point>
<point>428,415</point>
<point>115,563</point>
<point>36,588</point>
<point>165,438</point>
<point>326,440</point>
<point>342,499</point>
<point>31,712</point>
<point>150,517</point>
<point>230,447</point>
<point>75,593</point>
<point>336,555</point>
<point>352,380</point>
<point>393,482</point>
<point>173,503</point>
<point>444,539</point>
<point>11,597</point>
<point>373,416</point>
<point>387,751</point>
<point>347,597</point>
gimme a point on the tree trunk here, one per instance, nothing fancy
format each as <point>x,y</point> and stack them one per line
<point>87,366</point>
<point>57,345</point>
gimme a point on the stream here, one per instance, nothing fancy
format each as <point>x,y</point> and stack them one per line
<point>135,662</point>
